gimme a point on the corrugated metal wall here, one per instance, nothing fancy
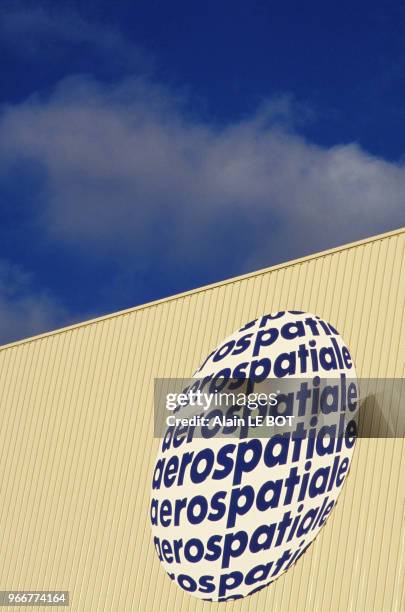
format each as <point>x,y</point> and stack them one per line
<point>76,446</point>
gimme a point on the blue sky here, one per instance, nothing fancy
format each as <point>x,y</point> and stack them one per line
<point>147,148</point>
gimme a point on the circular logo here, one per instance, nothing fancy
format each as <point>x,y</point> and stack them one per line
<point>254,456</point>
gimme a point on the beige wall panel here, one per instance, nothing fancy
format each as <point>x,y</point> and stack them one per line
<point>77,443</point>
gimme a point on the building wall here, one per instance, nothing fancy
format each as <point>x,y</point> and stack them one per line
<point>77,448</point>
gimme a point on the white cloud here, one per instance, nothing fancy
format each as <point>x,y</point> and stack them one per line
<point>120,160</point>
<point>25,310</point>
<point>128,173</point>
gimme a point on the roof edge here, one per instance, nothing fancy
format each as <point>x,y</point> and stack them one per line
<point>226,281</point>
